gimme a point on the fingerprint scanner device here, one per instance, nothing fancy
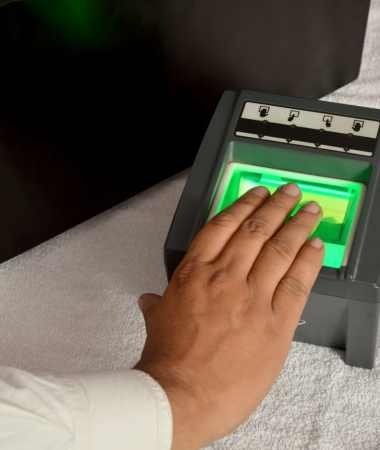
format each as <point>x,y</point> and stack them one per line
<point>331,151</point>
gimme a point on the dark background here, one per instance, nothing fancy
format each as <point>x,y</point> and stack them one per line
<point>96,106</point>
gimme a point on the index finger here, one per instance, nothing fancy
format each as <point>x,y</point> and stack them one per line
<point>212,238</point>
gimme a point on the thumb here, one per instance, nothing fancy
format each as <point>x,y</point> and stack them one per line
<point>147,301</point>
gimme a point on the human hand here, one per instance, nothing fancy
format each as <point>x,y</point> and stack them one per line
<point>219,336</point>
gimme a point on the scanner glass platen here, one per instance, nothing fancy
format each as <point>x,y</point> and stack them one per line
<point>340,201</point>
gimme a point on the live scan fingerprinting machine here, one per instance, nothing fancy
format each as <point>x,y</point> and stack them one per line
<point>332,152</point>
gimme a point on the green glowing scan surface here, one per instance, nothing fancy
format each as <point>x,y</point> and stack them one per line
<point>340,201</point>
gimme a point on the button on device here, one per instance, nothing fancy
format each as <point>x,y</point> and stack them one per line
<point>358,125</point>
<point>328,120</point>
<point>264,111</point>
<point>292,115</point>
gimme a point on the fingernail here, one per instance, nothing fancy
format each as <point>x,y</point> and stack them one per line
<point>316,243</point>
<point>312,207</point>
<point>260,191</point>
<point>291,189</point>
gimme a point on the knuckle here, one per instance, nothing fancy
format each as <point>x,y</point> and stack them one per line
<point>279,203</point>
<point>252,198</point>
<point>294,287</point>
<point>300,222</point>
<point>224,219</point>
<point>218,277</point>
<point>186,271</point>
<point>248,201</point>
<point>257,226</point>
<point>281,248</point>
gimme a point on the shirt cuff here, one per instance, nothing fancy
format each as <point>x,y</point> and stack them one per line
<point>127,410</point>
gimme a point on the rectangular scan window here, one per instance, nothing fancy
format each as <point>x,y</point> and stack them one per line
<point>340,201</point>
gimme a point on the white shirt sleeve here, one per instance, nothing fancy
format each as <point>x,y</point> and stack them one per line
<point>123,410</point>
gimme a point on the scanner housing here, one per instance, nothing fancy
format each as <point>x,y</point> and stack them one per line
<point>332,151</point>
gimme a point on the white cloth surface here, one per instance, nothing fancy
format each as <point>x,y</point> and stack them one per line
<point>69,305</point>
<point>118,410</point>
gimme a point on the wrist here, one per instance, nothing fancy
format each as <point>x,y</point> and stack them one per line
<point>190,424</point>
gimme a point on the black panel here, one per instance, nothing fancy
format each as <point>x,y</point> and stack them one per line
<point>319,137</point>
<point>73,111</point>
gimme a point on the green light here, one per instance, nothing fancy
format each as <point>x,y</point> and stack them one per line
<point>79,21</point>
<point>340,201</point>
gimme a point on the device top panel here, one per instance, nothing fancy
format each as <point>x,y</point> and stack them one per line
<point>298,126</point>
<point>311,119</point>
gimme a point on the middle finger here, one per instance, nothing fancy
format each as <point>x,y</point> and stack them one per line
<point>246,243</point>
<point>279,252</point>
